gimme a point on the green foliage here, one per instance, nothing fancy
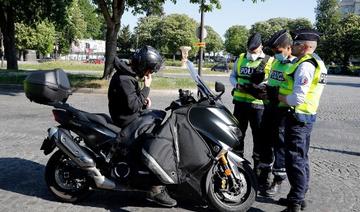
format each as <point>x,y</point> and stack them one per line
<point>41,38</point>
<point>236,39</point>
<point>213,40</point>
<point>45,33</point>
<point>25,36</point>
<point>348,36</point>
<point>299,23</point>
<point>328,19</point>
<point>125,41</point>
<point>147,31</point>
<point>178,30</point>
<point>167,33</point>
<point>93,20</point>
<point>75,27</point>
<point>328,15</point>
<point>269,27</point>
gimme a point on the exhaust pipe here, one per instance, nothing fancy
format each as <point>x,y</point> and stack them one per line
<point>64,141</point>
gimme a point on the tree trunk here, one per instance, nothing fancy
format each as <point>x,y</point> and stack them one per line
<point>113,26</point>
<point>110,48</point>
<point>7,25</point>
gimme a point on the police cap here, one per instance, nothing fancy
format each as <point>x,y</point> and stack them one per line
<point>305,35</point>
<point>254,41</point>
<point>278,38</point>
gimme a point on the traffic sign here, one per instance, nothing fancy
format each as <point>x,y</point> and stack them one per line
<point>198,32</point>
<point>200,44</point>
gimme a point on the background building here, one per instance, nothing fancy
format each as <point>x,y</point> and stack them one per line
<point>350,6</point>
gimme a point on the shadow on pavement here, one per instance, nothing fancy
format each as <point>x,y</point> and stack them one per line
<point>10,91</point>
<point>24,177</point>
<point>27,178</point>
<point>336,150</point>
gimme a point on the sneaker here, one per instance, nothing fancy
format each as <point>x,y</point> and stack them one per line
<point>161,197</point>
<point>273,189</point>
<point>285,202</point>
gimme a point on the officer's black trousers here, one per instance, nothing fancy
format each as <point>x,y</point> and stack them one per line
<point>297,141</point>
<point>272,140</point>
<point>245,113</point>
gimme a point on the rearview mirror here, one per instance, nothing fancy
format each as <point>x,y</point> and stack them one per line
<point>219,87</point>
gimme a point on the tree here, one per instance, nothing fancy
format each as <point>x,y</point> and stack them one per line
<point>45,35</point>
<point>113,11</point>
<point>213,40</point>
<point>75,27</point>
<point>93,20</point>
<point>178,30</point>
<point>299,23</point>
<point>348,36</point>
<point>29,12</point>
<point>148,32</point>
<point>124,41</point>
<point>328,19</point>
<point>269,27</point>
<point>236,39</point>
<point>25,37</point>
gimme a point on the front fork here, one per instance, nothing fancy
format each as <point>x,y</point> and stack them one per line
<point>230,172</point>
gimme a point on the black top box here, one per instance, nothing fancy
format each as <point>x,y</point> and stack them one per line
<point>47,87</point>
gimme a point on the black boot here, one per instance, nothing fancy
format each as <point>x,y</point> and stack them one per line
<point>285,202</point>
<point>159,195</point>
<point>293,208</point>
<point>264,179</point>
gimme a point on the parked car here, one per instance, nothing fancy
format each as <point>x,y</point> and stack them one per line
<point>223,67</point>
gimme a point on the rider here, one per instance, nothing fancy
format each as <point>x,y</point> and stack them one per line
<point>127,99</point>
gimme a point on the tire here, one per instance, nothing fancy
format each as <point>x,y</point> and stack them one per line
<point>246,196</point>
<point>60,167</point>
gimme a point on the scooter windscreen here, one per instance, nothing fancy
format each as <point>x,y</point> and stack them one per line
<point>200,84</point>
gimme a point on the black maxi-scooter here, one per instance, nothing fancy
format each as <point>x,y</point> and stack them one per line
<point>193,146</point>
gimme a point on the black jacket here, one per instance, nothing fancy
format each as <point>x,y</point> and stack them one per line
<point>126,98</point>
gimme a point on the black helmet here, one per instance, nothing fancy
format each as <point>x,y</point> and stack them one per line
<point>146,58</point>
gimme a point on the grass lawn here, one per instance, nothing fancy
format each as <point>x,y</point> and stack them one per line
<point>94,81</point>
<point>66,65</point>
<point>80,66</point>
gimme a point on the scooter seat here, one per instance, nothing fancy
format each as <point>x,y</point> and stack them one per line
<point>104,120</point>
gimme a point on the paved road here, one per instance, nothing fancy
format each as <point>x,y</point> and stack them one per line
<point>334,154</point>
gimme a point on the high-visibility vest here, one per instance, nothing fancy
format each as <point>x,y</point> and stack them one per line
<point>306,112</point>
<point>279,76</point>
<point>245,68</point>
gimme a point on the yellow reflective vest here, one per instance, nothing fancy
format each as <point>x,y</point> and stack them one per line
<point>312,98</point>
<point>245,68</point>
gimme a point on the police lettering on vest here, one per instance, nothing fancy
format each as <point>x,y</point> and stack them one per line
<point>245,68</point>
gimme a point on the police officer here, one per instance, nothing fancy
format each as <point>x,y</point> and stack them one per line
<point>306,82</point>
<point>249,70</point>
<point>127,100</point>
<point>272,146</point>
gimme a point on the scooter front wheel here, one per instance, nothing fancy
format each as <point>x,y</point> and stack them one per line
<point>231,195</point>
<point>64,178</point>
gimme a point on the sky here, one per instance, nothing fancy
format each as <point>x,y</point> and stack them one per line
<point>237,12</point>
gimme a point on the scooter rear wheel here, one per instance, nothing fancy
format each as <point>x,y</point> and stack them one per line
<point>65,180</point>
